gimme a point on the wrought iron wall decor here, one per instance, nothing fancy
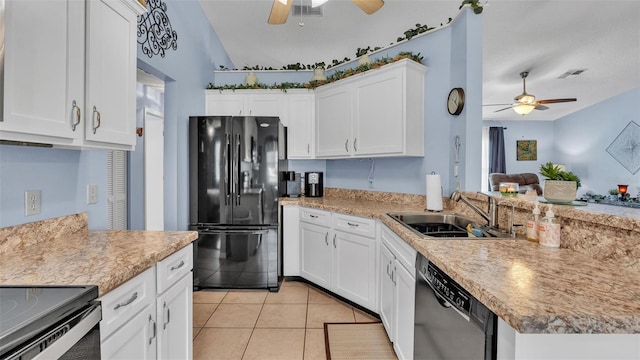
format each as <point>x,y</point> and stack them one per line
<point>155,33</point>
<point>626,147</point>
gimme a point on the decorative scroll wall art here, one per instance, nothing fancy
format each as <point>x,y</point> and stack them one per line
<point>626,147</point>
<point>155,33</point>
<point>526,150</point>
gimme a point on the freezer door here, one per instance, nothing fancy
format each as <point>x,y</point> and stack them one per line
<point>210,167</point>
<point>236,259</point>
<point>255,170</point>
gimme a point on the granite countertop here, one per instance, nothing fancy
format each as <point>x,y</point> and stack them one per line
<point>532,288</point>
<point>82,257</point>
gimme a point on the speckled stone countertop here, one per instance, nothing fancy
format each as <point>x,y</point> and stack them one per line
<point>532,288</point>
<point>62,251</point>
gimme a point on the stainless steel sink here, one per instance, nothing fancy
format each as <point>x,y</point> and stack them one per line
<point>441,225</point>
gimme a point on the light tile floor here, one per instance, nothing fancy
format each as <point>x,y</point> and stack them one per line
<point>258,324</point>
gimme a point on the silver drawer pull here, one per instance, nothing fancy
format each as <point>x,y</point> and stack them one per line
<point>178,266</point>
<point>352,224</point>
<point>153,327</point>
<point>131,299</point>
<point>313,216</point>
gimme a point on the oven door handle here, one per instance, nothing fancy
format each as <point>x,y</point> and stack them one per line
<point>441,299</point>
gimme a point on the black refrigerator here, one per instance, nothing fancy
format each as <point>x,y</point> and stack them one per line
<point>233,193</point>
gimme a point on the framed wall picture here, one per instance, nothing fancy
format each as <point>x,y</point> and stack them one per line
<point>526,150</point>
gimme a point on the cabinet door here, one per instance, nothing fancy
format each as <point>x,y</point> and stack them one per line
<point>266,104</point>
<point>43,70</point>
<point>387,291</point>
<point>175,313</point>
<point>378,114</point>
<point>354,264</point>
<point>110,110</point>
<point>300,127</point>
<point>333,122</point>
<point>218,104</point>
<point>405,283</point>
<point>315,263</point>
<point>135,340</point>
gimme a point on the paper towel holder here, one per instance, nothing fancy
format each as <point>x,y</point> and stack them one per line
<point>441,194</point>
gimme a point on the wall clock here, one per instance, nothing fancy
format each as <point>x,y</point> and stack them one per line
<point>455,101</point>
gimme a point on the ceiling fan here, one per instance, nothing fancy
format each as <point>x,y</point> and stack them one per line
<point>525,103</point>
<point>281,8</point>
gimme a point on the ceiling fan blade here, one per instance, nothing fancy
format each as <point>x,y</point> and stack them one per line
<point>496,105</point>
<point>507,108</point>
<point>540,107</point>
<point>279,12</point>
<point>369,6</point>
<point>553,101</point>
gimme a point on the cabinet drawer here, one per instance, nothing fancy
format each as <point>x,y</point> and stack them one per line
<point>124,302</point>
<point>314,216</point>
<point>355,225</point>
<point>403,251</point>
<point>174,267</point>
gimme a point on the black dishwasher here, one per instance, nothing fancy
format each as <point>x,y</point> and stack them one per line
<point>449,322</point>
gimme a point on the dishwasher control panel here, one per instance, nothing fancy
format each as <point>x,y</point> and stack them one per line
<point>445,287</point>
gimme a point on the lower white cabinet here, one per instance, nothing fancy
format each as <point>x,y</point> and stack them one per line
<point>342,257</point>
<point>139,323</point>
<point>397,291</point>
<point>135,340</point>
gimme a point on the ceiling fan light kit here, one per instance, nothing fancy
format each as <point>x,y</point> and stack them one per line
<point>316,3</point>
<point>523,109</point>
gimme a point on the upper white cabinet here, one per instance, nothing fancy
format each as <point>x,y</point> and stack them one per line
<point>300,104</point>
<point>246,103</point>
<point>77,55</point>
<point>376,113</point>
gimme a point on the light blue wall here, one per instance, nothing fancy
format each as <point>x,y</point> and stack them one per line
<point>186,72</point>
<point>581,140</point>
<point>541,131</point>
<point>453,55</point>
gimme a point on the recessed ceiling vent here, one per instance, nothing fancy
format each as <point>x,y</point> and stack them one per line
<point>571,72</point>
<point>306,10</point>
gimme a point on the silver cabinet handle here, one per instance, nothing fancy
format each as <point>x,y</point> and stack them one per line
<point>352,224</point>
<point>346,145</point>
<point>177,266</point>
<point>313,216</point>
<point>388,269</point>
<point>129,301</point>
<point>153,325</point>
<point>355,144</point>
<point>308,148</point>
<point>393,276</point>
<point>326,239</point>
<point>168,316</point>
<point>334,241</point>
<point>96,116</point>
<point>75,107</point>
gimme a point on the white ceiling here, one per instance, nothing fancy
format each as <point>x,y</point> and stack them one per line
<point>543,37</point>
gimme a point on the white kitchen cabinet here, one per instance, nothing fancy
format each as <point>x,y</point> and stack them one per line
<point>53,77</point>
<point>376,113</point>
<point>290,240</point>
<point>397,291</point>
<point>315,260</point>
<point>110,110</point>
<point>150,316</point>
<point>246,103</point>
<point>136,340</point>
<point>300,105</point>
<point>333,121</point>
<point>338,253</point>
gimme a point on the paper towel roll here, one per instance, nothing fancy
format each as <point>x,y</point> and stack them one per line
<point>434,192</point>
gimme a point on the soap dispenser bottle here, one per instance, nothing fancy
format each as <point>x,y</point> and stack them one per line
<point>549,230</point>
<point>533,223</point>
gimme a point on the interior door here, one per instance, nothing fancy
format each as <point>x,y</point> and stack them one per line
<point>153,170</point>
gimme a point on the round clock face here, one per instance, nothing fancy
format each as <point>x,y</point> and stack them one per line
<point>455,101</point>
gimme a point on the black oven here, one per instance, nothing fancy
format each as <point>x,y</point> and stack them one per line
<point>49,322</point>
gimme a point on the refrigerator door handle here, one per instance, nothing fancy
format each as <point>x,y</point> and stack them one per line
<point>238,169</point>
<point>227,177</point>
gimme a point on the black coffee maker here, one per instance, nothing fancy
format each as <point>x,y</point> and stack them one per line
<point>289,185</point>
<point>313,184</point>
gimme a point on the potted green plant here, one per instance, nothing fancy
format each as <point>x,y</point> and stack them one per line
<point>560,185</point>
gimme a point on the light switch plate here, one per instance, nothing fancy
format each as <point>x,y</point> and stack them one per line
<point>92,194</point>
<point>32,202</point>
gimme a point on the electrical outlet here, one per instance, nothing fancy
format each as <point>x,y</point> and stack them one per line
<point>32,204</point>
<point>92,194</point>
